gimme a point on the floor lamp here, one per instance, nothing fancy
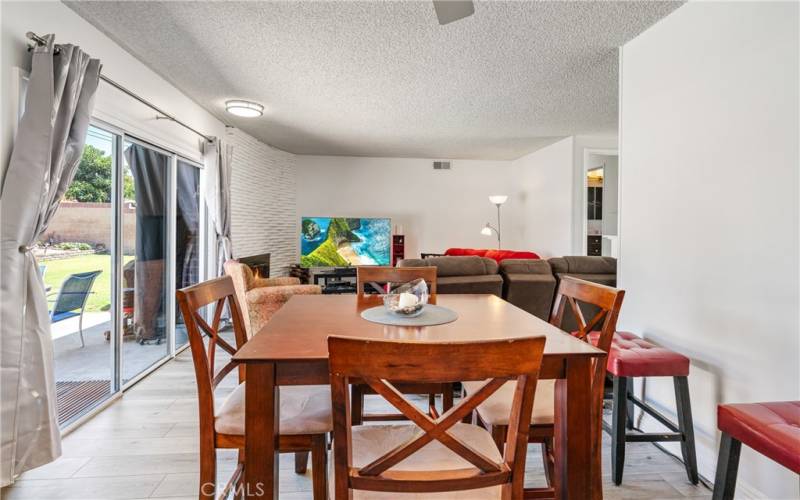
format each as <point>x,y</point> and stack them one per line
<point>497,200</point>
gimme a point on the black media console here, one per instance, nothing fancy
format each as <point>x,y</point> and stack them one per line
<point>333,280</point>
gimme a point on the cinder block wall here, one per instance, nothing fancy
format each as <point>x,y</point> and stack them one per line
<point>90,223</point>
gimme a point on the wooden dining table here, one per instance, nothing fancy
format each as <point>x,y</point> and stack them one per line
<point>291,349</point>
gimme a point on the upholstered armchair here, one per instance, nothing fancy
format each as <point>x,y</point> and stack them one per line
<point>261,297</point>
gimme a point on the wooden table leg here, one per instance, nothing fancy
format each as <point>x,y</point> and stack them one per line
<point>573,433</point>
<point>262,409</point>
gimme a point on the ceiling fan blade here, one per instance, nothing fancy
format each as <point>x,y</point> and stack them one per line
<point>452,10</point>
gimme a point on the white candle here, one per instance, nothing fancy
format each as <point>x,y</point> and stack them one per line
<point>407,300</point>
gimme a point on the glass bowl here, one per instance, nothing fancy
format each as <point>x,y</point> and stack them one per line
<point>407,300</point>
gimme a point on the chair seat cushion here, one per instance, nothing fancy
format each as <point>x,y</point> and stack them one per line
<point>60,316</point>
<point>372,441</point>
<point>772,429</point>
<point>631,356</point>
<point>305,409</point>
<point>497,407</point>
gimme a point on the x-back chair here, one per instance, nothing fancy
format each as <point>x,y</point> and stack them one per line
<point>434,456</point>
<point>572,292</point>
<point>305,410</point>
<point>389,277</point>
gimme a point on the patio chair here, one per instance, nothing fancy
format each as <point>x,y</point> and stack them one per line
<point>72,297</point>
<point>42,271</point>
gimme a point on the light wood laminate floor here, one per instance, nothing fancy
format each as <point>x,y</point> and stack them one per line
<point>145,446</point>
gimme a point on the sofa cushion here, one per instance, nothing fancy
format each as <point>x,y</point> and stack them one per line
<point>582,264</point>
<point>487,283</point>
<point>412,263</point>
<point>530,292</point>
<point>525,266</point>
<point>463,266</point>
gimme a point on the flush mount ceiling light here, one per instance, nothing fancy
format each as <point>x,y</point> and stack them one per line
<point>246,109</point>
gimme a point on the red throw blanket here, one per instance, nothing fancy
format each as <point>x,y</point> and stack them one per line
<point>497,255</point>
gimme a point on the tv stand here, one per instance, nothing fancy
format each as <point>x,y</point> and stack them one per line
<point>333,280</point>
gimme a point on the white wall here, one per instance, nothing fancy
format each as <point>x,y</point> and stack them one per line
<point>710,257</point>
<point>542,199</point>
<point>438,209</point>
<point>263,211</point>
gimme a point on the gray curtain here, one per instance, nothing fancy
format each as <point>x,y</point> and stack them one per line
<point>217,157</point>
<point>149,169</point>
<point>46,152</point>
<point>187,251</point>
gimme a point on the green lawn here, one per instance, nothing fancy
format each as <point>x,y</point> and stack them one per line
<point>58,270</point>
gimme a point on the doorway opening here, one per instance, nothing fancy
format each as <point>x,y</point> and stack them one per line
<point>601,202</point>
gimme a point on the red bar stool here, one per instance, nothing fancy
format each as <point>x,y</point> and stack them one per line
<point>772,429</point>
<point>631,356</point>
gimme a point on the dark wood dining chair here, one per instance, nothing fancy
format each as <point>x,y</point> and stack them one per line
<point>386,278</point>
<point>573,294</point>
<point>387,275</point>
<point>435,456</point>
<point>305,410</point>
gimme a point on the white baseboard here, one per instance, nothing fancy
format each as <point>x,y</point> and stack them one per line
<point>744,490</point>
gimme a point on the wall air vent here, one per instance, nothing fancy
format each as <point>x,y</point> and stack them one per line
<point>441,165</point>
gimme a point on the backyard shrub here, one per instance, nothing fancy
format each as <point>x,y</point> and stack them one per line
<point>73,245</point>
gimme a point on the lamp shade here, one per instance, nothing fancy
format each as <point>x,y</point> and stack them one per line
<point>498,199</point>
<point>486,231</point>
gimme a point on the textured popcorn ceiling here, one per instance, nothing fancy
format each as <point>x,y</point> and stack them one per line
<point>383,78</point>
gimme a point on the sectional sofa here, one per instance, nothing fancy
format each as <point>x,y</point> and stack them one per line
<point>529,284</point>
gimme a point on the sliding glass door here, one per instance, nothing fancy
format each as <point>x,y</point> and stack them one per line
<point>145,243</point>
<point>76,264</point>
<point>128,232</point>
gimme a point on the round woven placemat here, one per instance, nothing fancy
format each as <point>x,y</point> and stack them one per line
<point>431,315</point>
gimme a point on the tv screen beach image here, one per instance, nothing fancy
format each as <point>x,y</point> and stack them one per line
<point>341,241</point>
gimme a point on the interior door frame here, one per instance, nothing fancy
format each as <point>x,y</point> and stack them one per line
<point>585,183</point>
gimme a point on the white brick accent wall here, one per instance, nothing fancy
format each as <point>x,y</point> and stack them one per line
<point>263,206</point>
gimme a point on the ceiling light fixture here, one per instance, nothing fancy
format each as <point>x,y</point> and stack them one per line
<point>246,109</point>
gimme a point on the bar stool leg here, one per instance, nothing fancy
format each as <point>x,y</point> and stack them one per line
<point>618,428</point>
<point>630,407</point>
<point>727,468</point>
<point>686,427</point>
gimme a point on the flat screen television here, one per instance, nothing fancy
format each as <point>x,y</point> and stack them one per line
<point>343,241</point>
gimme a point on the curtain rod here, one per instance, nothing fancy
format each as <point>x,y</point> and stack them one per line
<point>38,40</point>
